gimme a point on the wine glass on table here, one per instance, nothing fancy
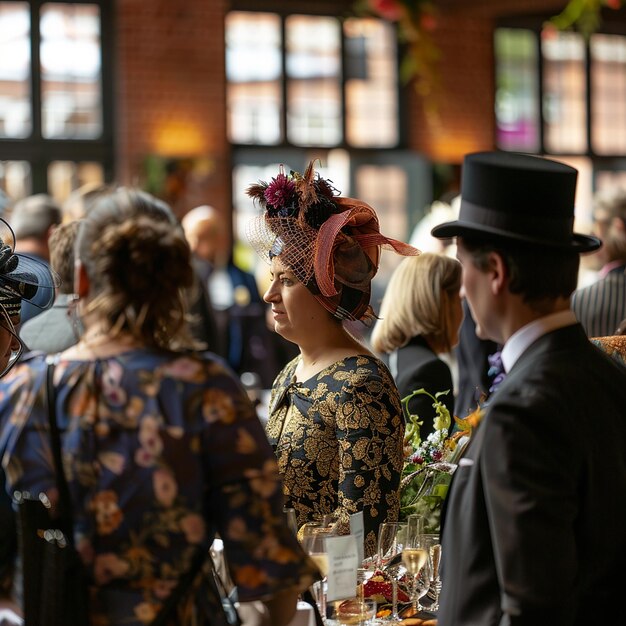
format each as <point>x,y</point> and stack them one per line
<point>391,537</point>
<point>434,545</point>
<point>314,544</point>
<point>416,560</point>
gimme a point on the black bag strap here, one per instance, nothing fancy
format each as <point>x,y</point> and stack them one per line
<point>66,518</point>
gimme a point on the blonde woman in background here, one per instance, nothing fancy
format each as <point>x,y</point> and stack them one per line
<point>420,316</point>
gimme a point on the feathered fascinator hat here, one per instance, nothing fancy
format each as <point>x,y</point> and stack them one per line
<point>23,277</point>
<point>331,243</point>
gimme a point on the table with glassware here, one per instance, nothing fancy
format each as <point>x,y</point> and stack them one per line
<point>400,583</point>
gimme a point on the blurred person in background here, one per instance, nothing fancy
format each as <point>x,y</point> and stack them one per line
<point>469,362</point>
<point>80,201</point>
<point>601,306</point>
<point>33,219</point>
<point>335,419</point>
<point>242,336</point>
<point>172,451</point>
<point>57,328</point>
<point>420,316</point>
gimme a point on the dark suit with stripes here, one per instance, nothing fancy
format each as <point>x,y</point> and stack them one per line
<point>601,307</point>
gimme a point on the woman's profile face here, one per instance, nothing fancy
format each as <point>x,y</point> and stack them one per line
<point>295,311</point>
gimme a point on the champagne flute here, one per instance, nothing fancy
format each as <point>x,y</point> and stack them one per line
<point>415,557</point>
<point>434,546</point>
<point>314,544</point>
<point>391,537</point>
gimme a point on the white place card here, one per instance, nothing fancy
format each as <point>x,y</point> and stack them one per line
<point>343,561</point>
<point>358,530</point>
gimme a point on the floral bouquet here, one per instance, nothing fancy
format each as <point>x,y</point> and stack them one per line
<point>429,464</point>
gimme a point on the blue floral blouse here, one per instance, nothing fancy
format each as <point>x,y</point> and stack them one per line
<point>161,451</point>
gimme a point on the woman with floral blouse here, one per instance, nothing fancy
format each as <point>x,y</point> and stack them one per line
<point>335,419</point>
<point>161,446</point>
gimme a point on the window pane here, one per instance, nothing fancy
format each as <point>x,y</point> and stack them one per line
<point>70,71</point>
<point>15,112</point>
<point>610,179</point>
<point>371,83</point>
<point>386,188</point>
<point>564,106</point>
<point>608,93</point>
<point>313,50</point>
<point>517,90</point>
<point>253,72</point>
<point>66,176</point>
<point>15,179</point>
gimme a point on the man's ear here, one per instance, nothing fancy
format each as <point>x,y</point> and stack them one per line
<point>499,272</point>
<point>81,280</point>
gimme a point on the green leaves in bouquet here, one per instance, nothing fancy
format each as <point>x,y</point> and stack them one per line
<point>442,421</point>
<point>424,491</point>
<point>426,475</point>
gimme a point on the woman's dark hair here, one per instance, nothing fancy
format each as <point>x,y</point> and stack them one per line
<point>139,265</point>
<point>539,274</point>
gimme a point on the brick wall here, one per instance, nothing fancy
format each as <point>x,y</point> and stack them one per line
<point>171,90</point>
<point>463,117</point>
<point>170,99</point>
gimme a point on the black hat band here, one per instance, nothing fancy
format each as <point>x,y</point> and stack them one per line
<point>535,226</point>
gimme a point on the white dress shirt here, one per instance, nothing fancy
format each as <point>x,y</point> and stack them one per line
<point>522,339</point>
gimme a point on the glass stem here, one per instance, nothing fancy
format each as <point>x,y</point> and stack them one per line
<point>394,598</point>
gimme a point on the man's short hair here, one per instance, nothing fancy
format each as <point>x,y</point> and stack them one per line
<point>539,274</point>
<point>62,242</point>
<point>33,216</point>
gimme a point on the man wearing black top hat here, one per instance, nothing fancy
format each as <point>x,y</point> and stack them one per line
<point>534,531</point>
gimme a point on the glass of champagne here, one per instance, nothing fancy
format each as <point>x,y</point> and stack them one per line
<point>314,544</point>
<point>416,560</point>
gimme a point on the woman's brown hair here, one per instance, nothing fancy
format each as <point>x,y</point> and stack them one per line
<point>139,265</point>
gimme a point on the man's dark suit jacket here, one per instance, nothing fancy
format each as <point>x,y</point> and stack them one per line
<point>535,531</point>
<point>417,366</point>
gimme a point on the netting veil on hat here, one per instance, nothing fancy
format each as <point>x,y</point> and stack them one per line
<point>331,243</point>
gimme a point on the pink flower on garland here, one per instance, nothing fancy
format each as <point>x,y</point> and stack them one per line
<point>280,191</point>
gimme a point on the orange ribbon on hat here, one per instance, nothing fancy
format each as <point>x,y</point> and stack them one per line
<point>364,229</point>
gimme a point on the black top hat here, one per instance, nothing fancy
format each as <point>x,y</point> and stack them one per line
<point>518,197</point>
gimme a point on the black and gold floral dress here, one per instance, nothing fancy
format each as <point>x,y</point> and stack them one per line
<point>338,439</point>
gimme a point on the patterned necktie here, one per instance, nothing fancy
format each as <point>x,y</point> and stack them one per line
<point>496,371</point>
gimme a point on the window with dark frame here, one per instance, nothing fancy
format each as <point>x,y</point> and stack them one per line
<point>55,96</point>
<point>562,95</point>
<point>311,81</point>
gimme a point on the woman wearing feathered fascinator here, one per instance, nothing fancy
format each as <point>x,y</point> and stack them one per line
<point>335,418</point>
